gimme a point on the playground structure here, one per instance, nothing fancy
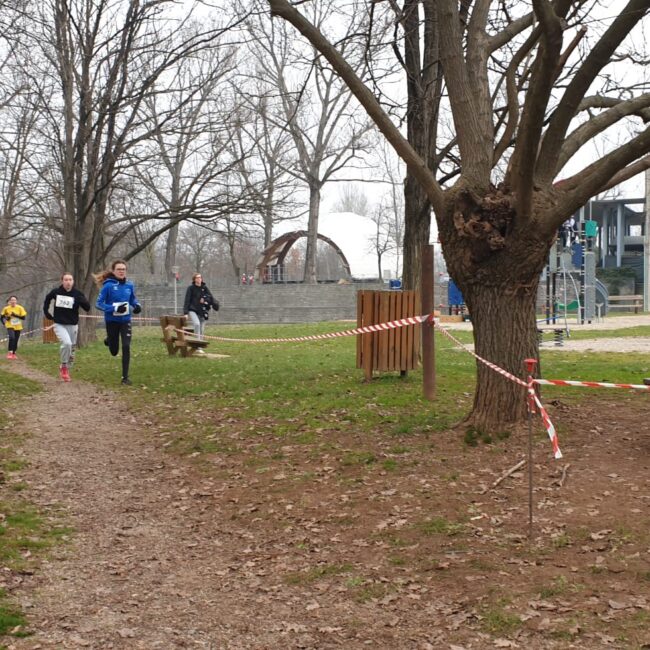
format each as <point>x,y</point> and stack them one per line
<point>621,238</point>
<point>590,298</point>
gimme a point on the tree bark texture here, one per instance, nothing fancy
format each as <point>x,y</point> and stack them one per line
<point>417,227</point>
<point>424,86</point>
<point>498,400</point>
<point>311,255</point>
<point>170,252</point>
<point>496,263</point>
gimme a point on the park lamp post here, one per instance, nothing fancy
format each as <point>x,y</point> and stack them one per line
<point>175,270</point>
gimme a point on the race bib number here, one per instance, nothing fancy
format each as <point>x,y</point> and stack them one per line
<point>64,302</point>
<point>123,311</point>
<point>14,320</point>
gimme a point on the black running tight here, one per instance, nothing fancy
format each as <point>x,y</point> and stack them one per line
<point>13,335</point>
<point>115,332</point>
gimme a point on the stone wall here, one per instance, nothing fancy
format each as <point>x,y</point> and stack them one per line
<point>264,303</point>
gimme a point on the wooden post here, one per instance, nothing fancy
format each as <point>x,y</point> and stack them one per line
<point>367,339</point>
<point>428,353</point>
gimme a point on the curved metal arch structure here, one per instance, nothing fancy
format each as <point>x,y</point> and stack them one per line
<point>270,267</point>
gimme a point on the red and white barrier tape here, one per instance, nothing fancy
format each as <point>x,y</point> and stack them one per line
<point>138,318</point>
<point>366,329</point>
<point>29,332</point>
<point>588,384</point>
<point>533,399</point>
<point>548,425</point>
<point>489,364</point>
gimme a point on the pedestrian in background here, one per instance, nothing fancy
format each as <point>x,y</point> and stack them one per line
<point>198,301</point>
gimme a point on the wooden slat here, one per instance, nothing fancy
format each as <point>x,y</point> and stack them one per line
<point>392,334</point>
<point>384,337</point>
<point>359,322</point>
<point>417,330</point>
<point>375,340</point>
<point>49,336</point>
<point>402,333</point>
<point>394,349</point>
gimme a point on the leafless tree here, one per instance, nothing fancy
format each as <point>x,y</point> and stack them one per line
<point>184,163</point>
<point>391,172</point>
<point>264,150</point>
<point>92,65</point>
<point>16,198</point>
<point>383,239</point>
<point>319,112</point>
<point>352,199</point>
<point>527,90</point>
<point>198,244</point>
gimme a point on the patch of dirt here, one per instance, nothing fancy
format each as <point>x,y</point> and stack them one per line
<point>347,542</point>
<point>639,344</point>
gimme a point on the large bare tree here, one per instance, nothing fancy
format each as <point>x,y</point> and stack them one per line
<point>319,112</point>
<point>263,147</point>
<point>528,88</point>
<point>183,164</point>
<point>92,65</point>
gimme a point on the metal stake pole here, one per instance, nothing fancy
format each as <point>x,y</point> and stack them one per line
<point>530,369</point>
<point>175,272</point>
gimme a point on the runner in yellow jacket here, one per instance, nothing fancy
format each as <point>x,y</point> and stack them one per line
<point>12,316</point>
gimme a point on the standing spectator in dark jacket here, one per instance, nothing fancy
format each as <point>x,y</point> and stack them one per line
<point>198,301</point>
<point>117,300</point>
<point>65,314</point>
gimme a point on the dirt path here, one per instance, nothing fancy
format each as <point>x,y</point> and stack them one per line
<point>145,569</point>
<point>318,553</point>
<point>640,344</point>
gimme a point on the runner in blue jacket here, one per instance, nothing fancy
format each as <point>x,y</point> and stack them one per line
<point>117,300</point>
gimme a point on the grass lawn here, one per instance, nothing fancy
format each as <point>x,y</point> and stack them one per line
<point>311,386</point>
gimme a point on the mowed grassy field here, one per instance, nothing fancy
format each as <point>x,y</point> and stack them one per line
<point>313,382</point>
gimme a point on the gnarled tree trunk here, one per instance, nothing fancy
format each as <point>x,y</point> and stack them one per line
<point>497,264</point>
<point>507,345</point>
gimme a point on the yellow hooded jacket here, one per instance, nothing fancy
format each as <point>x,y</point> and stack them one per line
<point>12,317</point>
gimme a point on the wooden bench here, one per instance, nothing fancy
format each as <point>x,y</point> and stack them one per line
<point>178,336</point>
<point>626,303</point>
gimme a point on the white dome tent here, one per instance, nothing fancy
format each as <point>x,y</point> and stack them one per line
<point>355,236</point>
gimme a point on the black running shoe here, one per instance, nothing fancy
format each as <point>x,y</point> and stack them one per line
<point>126,381</point>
